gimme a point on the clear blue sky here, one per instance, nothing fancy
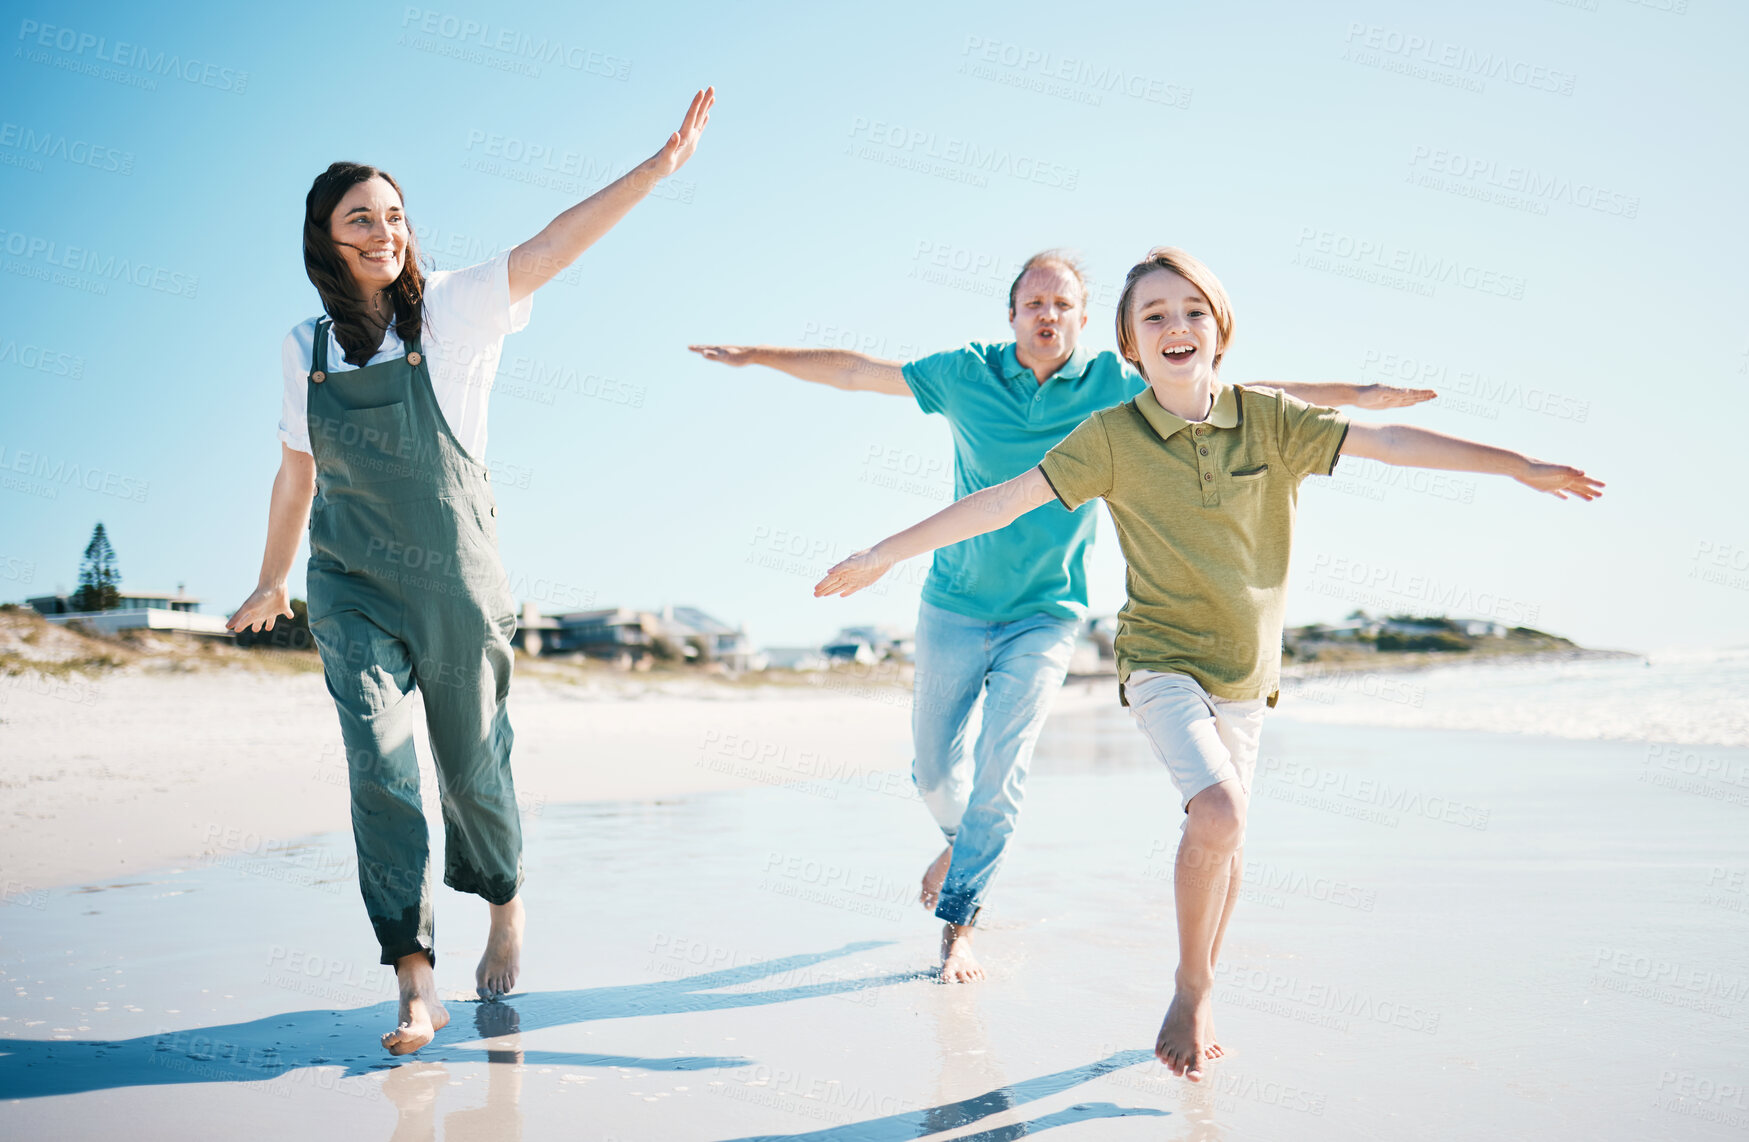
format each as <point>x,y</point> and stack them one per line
<point>1543,201</point>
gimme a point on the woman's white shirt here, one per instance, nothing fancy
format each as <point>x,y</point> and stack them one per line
<point>467,315</point>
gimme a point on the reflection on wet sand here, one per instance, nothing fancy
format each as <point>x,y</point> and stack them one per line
<point>413,1088</point>
<point>964,1058</point>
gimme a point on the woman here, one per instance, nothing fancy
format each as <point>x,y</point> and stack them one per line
<point>383,434</point>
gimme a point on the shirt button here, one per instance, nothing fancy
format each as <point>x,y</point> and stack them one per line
<point>1203,451</point>
<point>414,358</point>
<point>1208,476</point>
<point>318,376</point>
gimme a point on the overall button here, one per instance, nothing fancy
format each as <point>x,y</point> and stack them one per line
<point>318,376</point>
<point>414,358</point>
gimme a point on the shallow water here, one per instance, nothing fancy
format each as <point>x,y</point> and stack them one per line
<point>1690,697</point>
<point>1446,935</point>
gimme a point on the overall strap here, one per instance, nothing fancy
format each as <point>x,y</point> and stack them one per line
<point>319,363</point>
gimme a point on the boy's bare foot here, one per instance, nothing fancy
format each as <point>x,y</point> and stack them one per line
<point>1187,1036</point>
<point>958,965</point>
<point>496,975</point>
<point>933,877</point>
<point>422,1015</point>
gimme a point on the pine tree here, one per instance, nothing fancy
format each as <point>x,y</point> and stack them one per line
<point>99,577</point>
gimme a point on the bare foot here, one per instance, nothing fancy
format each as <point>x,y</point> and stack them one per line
<point>502,959</point>
<point>933,876</point>
<point>958,965</point>
<point>1186,1037</point>
<point>422,1014</point>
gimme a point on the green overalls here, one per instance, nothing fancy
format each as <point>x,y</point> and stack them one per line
<point>406,590</point>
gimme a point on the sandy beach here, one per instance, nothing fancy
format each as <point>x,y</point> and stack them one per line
<point>1445,934</point>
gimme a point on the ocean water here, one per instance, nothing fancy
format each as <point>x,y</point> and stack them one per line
<point>1682,697</point>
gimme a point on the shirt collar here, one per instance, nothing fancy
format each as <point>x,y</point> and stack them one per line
<point>1072,369</point>
<point>1226,412</point>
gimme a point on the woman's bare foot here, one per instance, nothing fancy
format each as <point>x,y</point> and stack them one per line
<point>422,1014</point>
<point>496,975</point>
<point>1187,1035</point>
<point>958,965</point>
<point>933,877</point>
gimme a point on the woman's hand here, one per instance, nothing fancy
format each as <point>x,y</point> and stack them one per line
<point>1558,480</point>
<point>683,142</point>
<point>260,610</point>
<point>855,573</point>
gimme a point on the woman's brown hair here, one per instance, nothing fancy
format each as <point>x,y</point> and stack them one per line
<point>358,335</point>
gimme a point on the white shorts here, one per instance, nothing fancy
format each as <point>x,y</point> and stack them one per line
<point>1201,739</point>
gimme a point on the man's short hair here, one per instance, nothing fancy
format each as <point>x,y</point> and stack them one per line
<point>1067,259</point>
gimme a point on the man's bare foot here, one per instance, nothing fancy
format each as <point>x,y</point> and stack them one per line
<point>422,1014</point>
<point>496,975</point>
<point>958,965</point>
<point>1187,1036</point>
<point>933,877</point>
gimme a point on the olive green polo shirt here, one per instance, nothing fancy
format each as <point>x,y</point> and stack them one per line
<point>1205,515</point>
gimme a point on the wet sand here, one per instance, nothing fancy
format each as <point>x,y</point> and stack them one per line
<point>1446,936</point>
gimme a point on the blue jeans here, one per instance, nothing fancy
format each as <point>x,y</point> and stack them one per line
<point>1010,674</point>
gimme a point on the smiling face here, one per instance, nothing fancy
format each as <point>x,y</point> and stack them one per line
<point>1049,311</point>
<point>369,229</point>
<point>1172,325</point>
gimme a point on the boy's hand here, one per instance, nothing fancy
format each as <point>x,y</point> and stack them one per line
<point>853,574</point>
<point>1559,480</point>
<point>1389,396</point>
<point>736,355</point>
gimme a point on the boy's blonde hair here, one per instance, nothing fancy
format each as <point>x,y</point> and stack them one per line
<point>1191,270</point>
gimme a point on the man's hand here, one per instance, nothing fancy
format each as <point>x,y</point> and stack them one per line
<point>736,355</point>
<point>853,574</point>
<point>1558,480</point>
<point>1389,396</point>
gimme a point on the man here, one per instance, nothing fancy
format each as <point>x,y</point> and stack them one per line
<point>1000,611</point>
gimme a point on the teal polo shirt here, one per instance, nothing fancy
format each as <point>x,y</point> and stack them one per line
<point>1003,423</point>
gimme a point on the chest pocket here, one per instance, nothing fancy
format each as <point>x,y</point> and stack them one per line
<point>374,444</point>
<point>1247,476</point>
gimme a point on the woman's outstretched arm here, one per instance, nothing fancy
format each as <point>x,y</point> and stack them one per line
<point>538,260</point>
<point>289,511</point>
<point>994,507</point>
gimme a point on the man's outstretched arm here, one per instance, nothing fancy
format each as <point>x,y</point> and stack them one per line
<point>839,368</point>
<point>1335,394</point>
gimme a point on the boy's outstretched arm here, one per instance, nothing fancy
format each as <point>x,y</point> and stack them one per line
<point>1412,447</point>
<point>1335,394</point>
<point>987,510</point>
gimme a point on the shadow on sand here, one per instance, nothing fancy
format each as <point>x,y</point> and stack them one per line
<point>274,1045</point>
<point>950,1116</point>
